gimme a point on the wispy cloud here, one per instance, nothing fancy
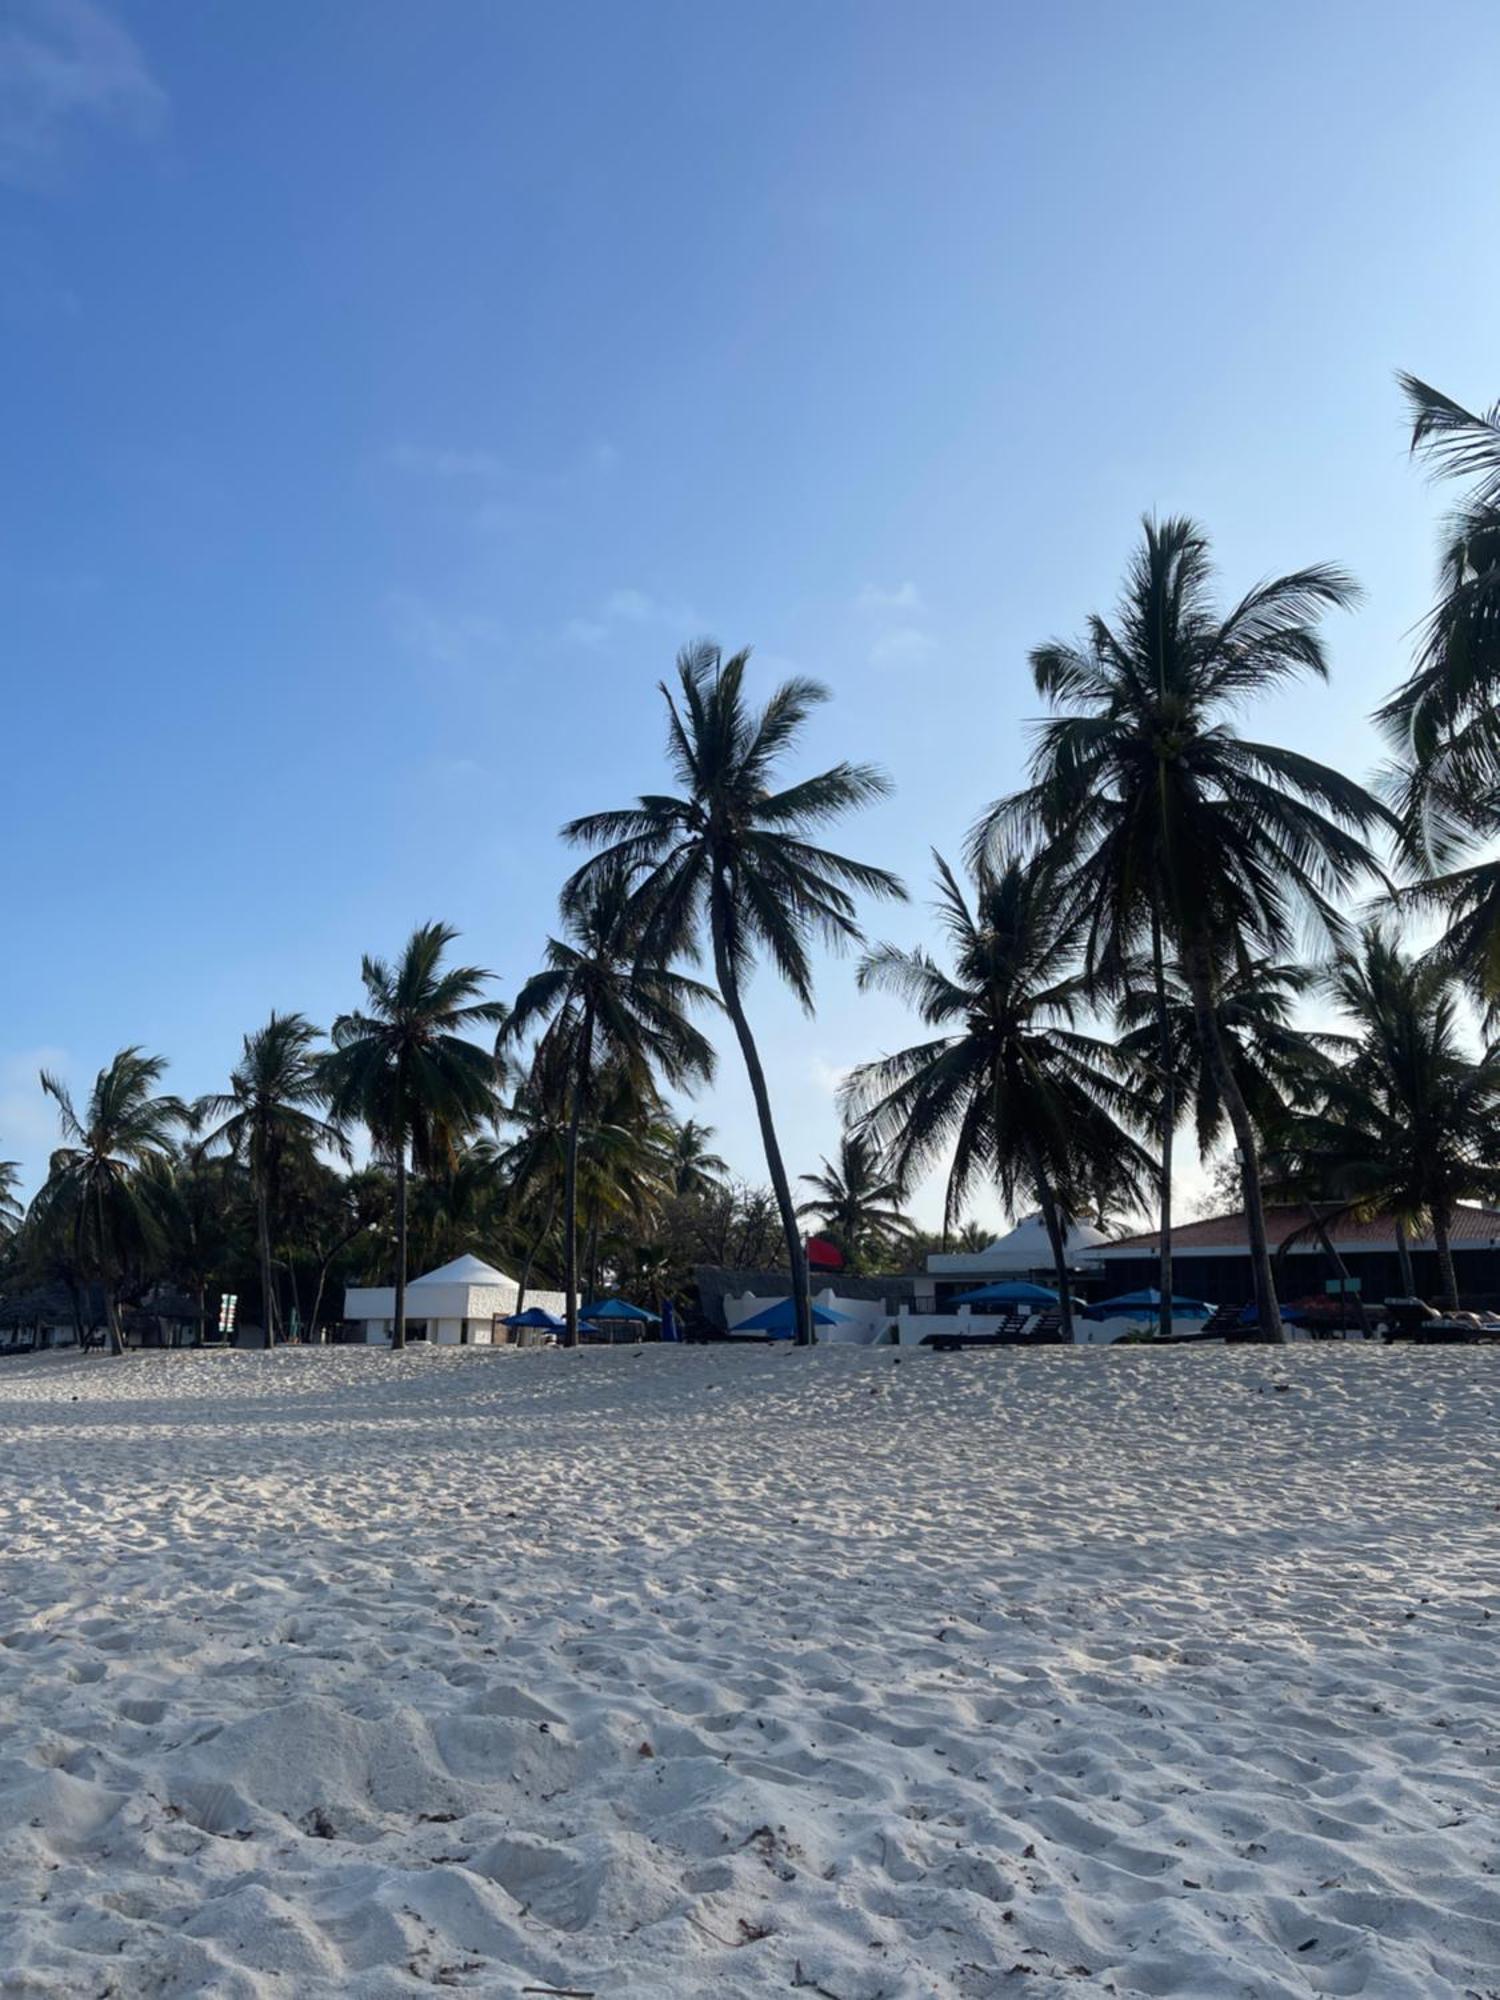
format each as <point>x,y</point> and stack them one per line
<point>455,640</point>
<point>66,64</point>
<point>884,601</point>
<point>447,462</point>
<point>892,611</point>
<point>630,606</point>
<point>903,647</point>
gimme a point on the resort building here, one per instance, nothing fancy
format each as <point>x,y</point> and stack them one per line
<point>1211,1258</point>
<point>462,1304</point>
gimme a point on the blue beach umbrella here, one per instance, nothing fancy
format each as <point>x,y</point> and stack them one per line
<point>1148,1301</point>
<point>616,1309</point>
<point>536,1316</point>
<point>669,1328</point>
<point>782,1319</point>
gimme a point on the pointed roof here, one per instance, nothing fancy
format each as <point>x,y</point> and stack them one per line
<point>465,1270</point>
<point>1027,1247</point>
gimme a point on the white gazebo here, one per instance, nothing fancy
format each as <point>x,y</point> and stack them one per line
<point>460,1305</point>
<point>1026,1248</point>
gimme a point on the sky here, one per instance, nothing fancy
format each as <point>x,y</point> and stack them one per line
<point>391,388</point>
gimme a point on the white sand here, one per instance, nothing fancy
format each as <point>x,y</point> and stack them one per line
<point>699,1673</point>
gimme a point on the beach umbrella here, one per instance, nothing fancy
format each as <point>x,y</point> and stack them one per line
<point>781,1318</point>
<point>1010,1291</point>
<point>669,1330</point>
<point>535,1316</point>
<point>1148,1301</point>
<point>616,1309</point>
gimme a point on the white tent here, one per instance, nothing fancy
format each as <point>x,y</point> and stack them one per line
<point>459,1305</point>
<point>1025,1248</point>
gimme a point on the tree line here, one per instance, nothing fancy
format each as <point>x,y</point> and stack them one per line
<point>1120,957</point>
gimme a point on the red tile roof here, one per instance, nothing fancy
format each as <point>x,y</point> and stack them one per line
<point>1476,1227</point>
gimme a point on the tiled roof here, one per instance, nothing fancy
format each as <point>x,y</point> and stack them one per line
<point>1477,1227</point>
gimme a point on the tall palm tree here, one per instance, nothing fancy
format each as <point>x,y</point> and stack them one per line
<point>730,857</point>
<point>98,1192</point>
<point>404,1068</point>
<point>270,1109</point>
<point>1176,835</point>
<point>611,1007</point>
<point>860,1204</point>
<point>1444,720</point>
<point>1020,1096</point>
<point>1405,1125</point>
<point>695,1170</point>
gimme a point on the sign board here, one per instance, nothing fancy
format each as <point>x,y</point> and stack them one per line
<point>1338,1287</point>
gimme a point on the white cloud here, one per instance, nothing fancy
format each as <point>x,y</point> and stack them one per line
<point>907,646</point>
<point>633,605</point>
<point>64,63</point>
<point>630,606</point>
<point>892,610</point>
<point>880,601</point>
<point>452,639</point>
<point>446,462</point>
<point>585,632</point>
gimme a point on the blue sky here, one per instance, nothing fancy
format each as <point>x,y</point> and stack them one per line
<point>391,388</point>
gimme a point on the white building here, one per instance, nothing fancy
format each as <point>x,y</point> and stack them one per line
<point>1025,1251</point>
<point>460,1305</point>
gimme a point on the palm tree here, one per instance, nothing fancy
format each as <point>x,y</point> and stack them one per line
<point>1405,1125</point>
<point>1443,720</point>
<point>1010,1086</point>
<point>730,856</point>
<point>404,1068</point>
<point>267,1113</point>
<point>860,1205</point>
<point>1175,834</point>
<point>695,1170</point>
<point>10,1207</point>
<point>1275,1062</point>
<point>610,1008</point>
<point>98,1193</point>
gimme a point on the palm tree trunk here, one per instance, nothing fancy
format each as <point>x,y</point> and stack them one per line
<point>263,1239</point>
<point>1403,1258</point>
<point>570,1175</point>
<point>532,1248</point>
<point>1200,980</point>
<point>111,1315</point>
<point>1057,1237</point>
<point>1442,1242</point>
<point>775,1166</point>
<point>398,1324</point>
<point>1164,1280</point>
<point>1340,1267</point>
<point>317,1302</point>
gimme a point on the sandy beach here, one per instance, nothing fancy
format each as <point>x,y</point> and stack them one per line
<point>691,1674</point>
